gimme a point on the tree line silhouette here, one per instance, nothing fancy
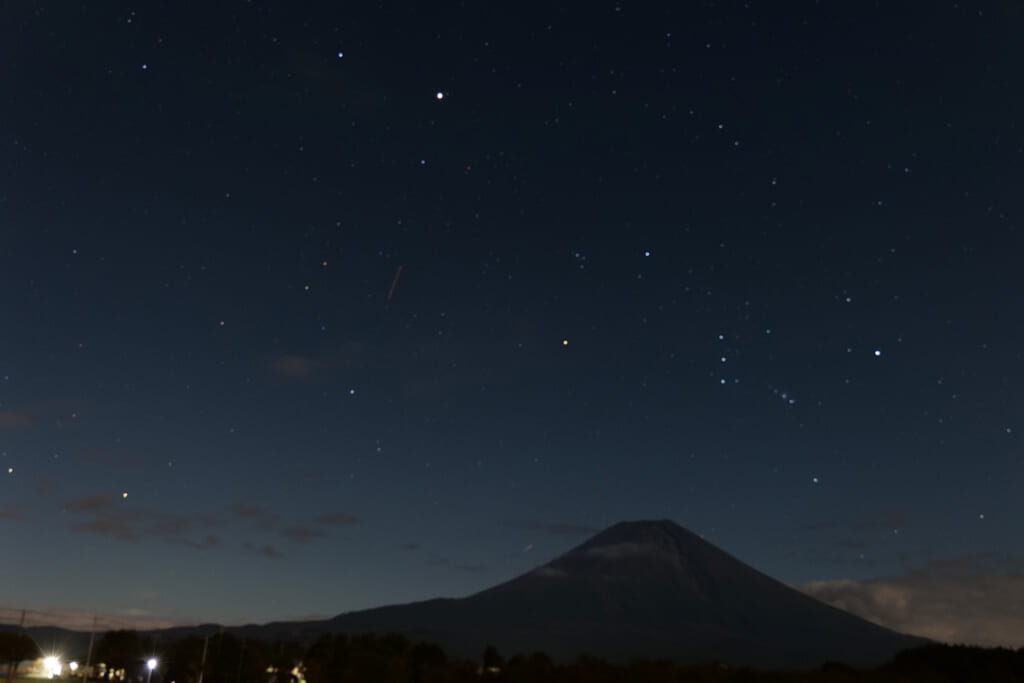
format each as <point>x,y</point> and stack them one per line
<point>393,658</point>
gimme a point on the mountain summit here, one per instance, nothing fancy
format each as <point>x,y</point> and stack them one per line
<point>643,589</point>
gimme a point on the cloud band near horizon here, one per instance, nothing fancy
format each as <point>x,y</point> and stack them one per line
<point>971,600</point>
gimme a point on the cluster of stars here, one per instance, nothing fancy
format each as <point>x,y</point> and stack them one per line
<point>694,255</point>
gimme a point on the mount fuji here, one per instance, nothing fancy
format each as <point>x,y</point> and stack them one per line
<point>648,589</point>
<point>640,589</point>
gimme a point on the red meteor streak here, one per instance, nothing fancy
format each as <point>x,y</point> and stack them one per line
<point>395,283</point>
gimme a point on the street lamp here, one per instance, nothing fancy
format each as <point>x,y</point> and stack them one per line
<point>52,666</point>
<point>150,664</point>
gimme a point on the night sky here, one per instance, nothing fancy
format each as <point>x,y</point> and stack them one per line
<point>312,307</point>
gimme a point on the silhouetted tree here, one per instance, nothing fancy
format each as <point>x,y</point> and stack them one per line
<point>393,658</point>
<point>181,660</point>
<point>379,658</point>
<point>492,657</point>
<point>595,669</point>
<point>120,650</point>
<point>428,655</point>
<point>941,663</point>
<point>319,660</point>
<point>16,648</point>
<point>426,660</point>
<point>231,659</point>
<point>284,657</point>
<point>533,668</point>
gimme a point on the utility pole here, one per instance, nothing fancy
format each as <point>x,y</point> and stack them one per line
<point>88,657</point>
<point>241,658</point>
<point>202,664</point>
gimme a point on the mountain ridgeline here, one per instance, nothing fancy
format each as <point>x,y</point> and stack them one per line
<point>646,589</point>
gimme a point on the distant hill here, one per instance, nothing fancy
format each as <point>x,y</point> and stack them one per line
<point>647,589</point>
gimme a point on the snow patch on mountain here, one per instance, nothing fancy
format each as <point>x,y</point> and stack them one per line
<point>618,551</point>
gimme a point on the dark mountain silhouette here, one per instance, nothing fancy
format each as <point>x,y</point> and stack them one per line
<point>643,589</point>
<point>646,589</point>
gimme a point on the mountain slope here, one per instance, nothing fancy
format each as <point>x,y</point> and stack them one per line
<point>638,589</point>
<point>649,589</point>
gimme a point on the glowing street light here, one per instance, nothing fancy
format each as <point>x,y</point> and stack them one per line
<point>52,666</point>
<point>150,664</point>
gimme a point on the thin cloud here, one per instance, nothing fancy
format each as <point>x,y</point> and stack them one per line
<point>97,502</point>
<point>265,550</point>
<point>469,568</point>
<point>301,534</point>
<point>170,525</point>
<point>260,519</point>
<point>12,419</point>
<point>295,367</point>
<point>104,515</point>
<point>249,511</point>
<point>888,518</point>
<point>409,546</point>
<point>552,528</point>
<point>11,514</point>
<point>116,526</point>
<point>48,486</point>
<point>256,517</point>
<point>974,600</point>
<point>337,519</point>
<point>109,457</point>
<point>207,542</point>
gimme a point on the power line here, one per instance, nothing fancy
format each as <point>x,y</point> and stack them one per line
<point>76,620</point>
